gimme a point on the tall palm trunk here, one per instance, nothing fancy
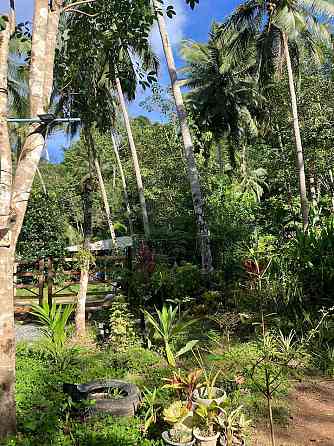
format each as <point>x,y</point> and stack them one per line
<point>134,158</point>
<point>299,148</point>
<point>188,145</point>
<point>80,313</point>
<point>104,195</point>
<point>125,190</point>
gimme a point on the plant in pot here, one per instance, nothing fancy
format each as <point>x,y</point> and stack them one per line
<point>205,419</point>
<point>181,419</point>
<point>233,426</point>
<point>185,385</point>
<point>208,393</point>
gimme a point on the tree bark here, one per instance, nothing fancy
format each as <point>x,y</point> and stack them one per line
<point>299,148</point>
<point>7,328</point>
<point>104,195</point>
<point>7,344</point>
<point>106,203</point>
<point>125,190</point>
<point>134,159</point>
<point>51,42</point>
<point>14,194</point>
<point>80,313</point>
<point>196,192</point>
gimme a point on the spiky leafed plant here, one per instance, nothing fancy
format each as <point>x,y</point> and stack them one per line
<point>283,30</point>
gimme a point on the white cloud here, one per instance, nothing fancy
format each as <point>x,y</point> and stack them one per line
<point>175,27</point>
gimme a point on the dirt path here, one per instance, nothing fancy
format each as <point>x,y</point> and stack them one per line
<point>312,417</point>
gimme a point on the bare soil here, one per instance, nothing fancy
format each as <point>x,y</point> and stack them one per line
<point>311,417</point>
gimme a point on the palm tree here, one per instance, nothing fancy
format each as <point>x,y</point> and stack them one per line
<point>281,29</point>
<point>203,230</point>
<point>224,95</point>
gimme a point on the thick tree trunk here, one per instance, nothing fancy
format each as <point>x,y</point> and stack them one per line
<point>134,158</point>
<point>125,189</point>
<point>7,344</point>
<point>14,194</point>
<point>196,192</point>
<point>299,148</point>
<point>7,329</point>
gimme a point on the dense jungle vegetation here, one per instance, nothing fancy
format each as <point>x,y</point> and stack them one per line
<point>226,304</point>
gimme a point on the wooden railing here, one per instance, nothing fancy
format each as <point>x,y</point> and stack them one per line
<point>42,273</point>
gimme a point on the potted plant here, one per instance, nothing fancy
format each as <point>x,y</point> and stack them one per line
<point>206,432</point>
<point>233,425</point>
<point>208,392</point>
<point>185,385</point>
<point>180,417</point>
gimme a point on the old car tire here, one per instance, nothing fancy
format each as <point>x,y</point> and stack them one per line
<point>123,407</point>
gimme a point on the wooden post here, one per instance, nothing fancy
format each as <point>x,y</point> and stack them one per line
<point>40,281</point>
<point>50,281</point>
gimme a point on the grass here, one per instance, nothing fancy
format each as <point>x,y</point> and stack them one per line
<point>27,295</point>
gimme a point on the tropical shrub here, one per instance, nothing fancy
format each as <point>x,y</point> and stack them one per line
<point>55,326</point>
<point>167,326</point>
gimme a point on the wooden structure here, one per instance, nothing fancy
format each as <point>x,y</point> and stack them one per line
<point>35,276</point>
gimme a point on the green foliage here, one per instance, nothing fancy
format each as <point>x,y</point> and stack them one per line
<point>206,418</point>
<point>150,402</point>
<point>122,327</point>
<point>43,232</point>
<point>177,283</point>
<point>84,259</point>
<point>167,326</point>
<point>54,322</point>
<point>233,424</point>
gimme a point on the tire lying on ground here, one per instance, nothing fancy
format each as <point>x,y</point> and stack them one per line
<point>116,397</point>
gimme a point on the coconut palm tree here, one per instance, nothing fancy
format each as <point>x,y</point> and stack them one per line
<point>224,95</point>
<point>203,230</point>
<point>282,30</point>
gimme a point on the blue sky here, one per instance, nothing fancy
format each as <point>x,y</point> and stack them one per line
<point>187,24</point>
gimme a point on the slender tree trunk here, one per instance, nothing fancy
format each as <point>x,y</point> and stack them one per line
<point>313,192</point>
<point>106,203</point>
<point>104,195</point>
<point>188,145</point>
<point>125,190</point>
<point>80,313</point>
<point>299,148</point>
<point>134,159</point>
<point>332,187</point>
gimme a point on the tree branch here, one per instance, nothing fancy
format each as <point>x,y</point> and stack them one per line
<point>5,152</point>
<point>81,2</point>
<point>81,12</point>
